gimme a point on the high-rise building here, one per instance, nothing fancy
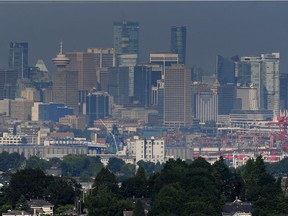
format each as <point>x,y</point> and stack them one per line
<point>247,98</point>
<point>21,109</point>
<point>177,96</point>
<point>97,106</point>
<point>142,85</point>
<point>164,59</point>
<point>160,98</point>
<point>130,61</point>
<point>206,106</point>
<point>178,42</point>
<point>226,98</point>
<point>65,83</point>
<point>49,111</point>
<point>18,58</point>
<point>84,64</point>
<point>104,57</point>
<point>126,37</point>
<point>271,82</point>
<point>8,83</point>
<point>225,70</point>
<point>283,91</point>
<point>119,85</point>
<point>263,73</point>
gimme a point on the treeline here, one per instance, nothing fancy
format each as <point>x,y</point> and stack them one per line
<point>174,188</point>
<point>29,184</point>
<point>185,189</point>
<point>81,166</point>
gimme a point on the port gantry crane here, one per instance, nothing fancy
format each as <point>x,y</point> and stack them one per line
<point>282,122</point>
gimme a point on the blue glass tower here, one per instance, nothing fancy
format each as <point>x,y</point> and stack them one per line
<point>126,37</point>
<point>178,42</point>
<point>18,58</point>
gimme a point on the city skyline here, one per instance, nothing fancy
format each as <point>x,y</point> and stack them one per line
<point>212,28</point>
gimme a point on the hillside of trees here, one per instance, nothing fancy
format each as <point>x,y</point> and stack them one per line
<point>174,188</point>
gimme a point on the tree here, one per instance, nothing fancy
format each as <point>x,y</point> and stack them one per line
<point>106,203</point>
<point>105,180</point>
<point>62,191</point>
<point>115,164</point>
<point>138,209</point>
<point>169,200</point>
<point>34,184</point>
<point>262,188</point>
<point>135,186</point>
<point>231,184</point>
<point>35,162</point>
<point>30,183</point>
<point>77,165</point>
<point>22,204</point>
<point>11,161</point>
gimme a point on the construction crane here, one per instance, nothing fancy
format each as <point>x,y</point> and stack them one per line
<point>115,142</point>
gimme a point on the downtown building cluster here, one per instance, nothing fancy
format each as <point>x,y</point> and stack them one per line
<point>89,88</point>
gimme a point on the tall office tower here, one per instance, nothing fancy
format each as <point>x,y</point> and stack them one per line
<point>160,98</point>
<point>65,83</point>
<point>97,106</point>
<point>263,73</point>
<point>283,91</point>
<point>178,42</point>
<point>143,87</point>
<point>226,98</point>
<point>271,82</point>
<point>119,84</point>
<point>18,58</point>
<point>196,88</point>
<point>164,59</point>
<point>225,70</point>
<point>104,57</point>
<point>206,106</point>
<point>177,97</point>
<point>8,82</point>
<point>84,64</point>
<point>102,78</point>
<point>246,98</point>
<point>126,38</point>
<point>130,61</point>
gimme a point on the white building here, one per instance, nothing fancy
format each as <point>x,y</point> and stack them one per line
<point>152,150</point>
<point>9,139</point>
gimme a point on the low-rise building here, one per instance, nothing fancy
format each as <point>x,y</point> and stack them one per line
<point>7,139</point>
<point>152,150</point>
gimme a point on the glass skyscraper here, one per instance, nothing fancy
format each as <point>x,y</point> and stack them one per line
<point>225,70</point>
<point>126,37</point>
<point>178,42</point>
<point>18,58</point>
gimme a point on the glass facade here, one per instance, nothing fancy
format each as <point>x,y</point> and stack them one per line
<point>126,37</point>
<point>225,70</point>
<point>18,58</point>
<point>178,42</point>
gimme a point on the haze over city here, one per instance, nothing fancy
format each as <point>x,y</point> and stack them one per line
<point>225,28</point>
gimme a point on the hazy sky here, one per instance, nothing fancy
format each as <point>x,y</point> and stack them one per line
<point>225,28</point>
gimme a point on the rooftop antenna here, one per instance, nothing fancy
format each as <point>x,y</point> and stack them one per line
<point>124,17</point>
<point>61,47</point>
